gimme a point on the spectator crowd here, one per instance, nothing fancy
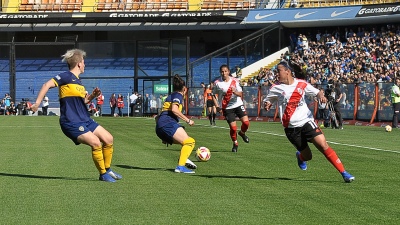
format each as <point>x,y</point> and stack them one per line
<point>362,56</point>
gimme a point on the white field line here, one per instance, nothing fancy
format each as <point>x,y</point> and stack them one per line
<point>261,132</point>
<point>330,142</point>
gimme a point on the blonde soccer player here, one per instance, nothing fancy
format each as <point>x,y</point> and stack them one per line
<point>75,120</point>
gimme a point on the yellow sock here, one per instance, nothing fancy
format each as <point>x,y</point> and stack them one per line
<point>108,150</point>
<point>187,147</point>
<point>98,159</point>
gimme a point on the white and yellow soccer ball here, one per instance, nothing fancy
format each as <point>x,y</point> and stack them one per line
<point>203,154</point>
<point>388,128</point>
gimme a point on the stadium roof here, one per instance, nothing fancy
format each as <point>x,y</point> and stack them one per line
<point>223,19</point>
<point>200,20</point>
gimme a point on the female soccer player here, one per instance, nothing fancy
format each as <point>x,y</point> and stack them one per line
<point>232,105</point>
<point>170,131</point>
<point>75,120</point>
<point>297,118</point>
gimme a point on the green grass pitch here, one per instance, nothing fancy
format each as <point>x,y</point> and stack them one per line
<point>46,179</point>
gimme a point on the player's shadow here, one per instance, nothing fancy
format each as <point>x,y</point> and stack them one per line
<point>261,178</point>
<point>178,150</point>
<point>243,177</point>
<point>205,176</point>
<point>167,149</point>
<point>43,177</point>
<point>142,168</point>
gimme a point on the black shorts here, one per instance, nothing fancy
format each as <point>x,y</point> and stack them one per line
<point>396,106</point>
<point>230,114</point>
<point>210,103</point>
<point>300,136</point>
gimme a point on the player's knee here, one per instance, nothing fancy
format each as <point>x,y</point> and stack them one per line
<point>246,123</point>
<point>189,141</point>
<point>107,139</point>
<point>91,140</point>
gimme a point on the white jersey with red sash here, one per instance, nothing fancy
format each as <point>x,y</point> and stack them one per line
<point>224,88</point>
<point>293,109</point>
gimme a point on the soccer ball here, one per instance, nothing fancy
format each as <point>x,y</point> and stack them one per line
<point>203,154</point>
<point>388,128</point>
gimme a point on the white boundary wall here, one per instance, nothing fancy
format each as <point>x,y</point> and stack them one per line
<point>255,67</point>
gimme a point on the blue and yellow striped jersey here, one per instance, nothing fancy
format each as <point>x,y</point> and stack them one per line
<point>72,98</point>
<point>167,116</point>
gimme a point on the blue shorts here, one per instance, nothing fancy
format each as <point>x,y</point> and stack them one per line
<point>167,132</point>
<point>74,130</point>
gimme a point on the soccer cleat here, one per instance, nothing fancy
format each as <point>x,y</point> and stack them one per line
<point>114,175</point>
<point>302,164</point>
<point>235,147</point>
<point>244,137</point>
<point>106,177</point>
<point>347,177</point>
<point>214,123</point>
<point>182,169</point>
<point>189,164</point>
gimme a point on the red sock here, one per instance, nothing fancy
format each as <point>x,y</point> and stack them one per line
<point>330,154</point>
<point>301,157</point>
<point>232,132</point>
<point>244,127</point>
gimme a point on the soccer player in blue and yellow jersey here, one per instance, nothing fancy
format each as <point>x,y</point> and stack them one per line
<point>170,131</point>
<point>75,120</point>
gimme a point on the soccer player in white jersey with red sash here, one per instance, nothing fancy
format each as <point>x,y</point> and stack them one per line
<point>297,118</point>
<point>232,105</point>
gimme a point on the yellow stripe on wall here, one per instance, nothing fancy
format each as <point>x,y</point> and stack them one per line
<point>88,6</point>
<point>10,6</point>
<point>195,5</point>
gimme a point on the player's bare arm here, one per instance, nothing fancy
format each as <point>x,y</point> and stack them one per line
<point>321,96</point>
<point>178,113</point>
<point>45,88</point>
<point>95,93</point>
<point>267,105</point>
<point>216,103</point>
<point>236,92</point>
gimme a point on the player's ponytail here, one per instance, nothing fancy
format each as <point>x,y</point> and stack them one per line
<point>177,83</point>
<point>297,70</point>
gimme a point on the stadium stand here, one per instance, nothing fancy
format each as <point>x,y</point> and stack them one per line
<point>174,5</point>
<point>131,5</point>
<point>245,78</point>
<point>228,4</point>
<point>50,5</point>
<point>332,3</point>
<point>137,5</point>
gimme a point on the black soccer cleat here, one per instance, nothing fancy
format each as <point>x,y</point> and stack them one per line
<point>235,147</point>
<point>244,137</point>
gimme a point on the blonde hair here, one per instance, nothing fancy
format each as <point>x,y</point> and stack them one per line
<point>73,57</point>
